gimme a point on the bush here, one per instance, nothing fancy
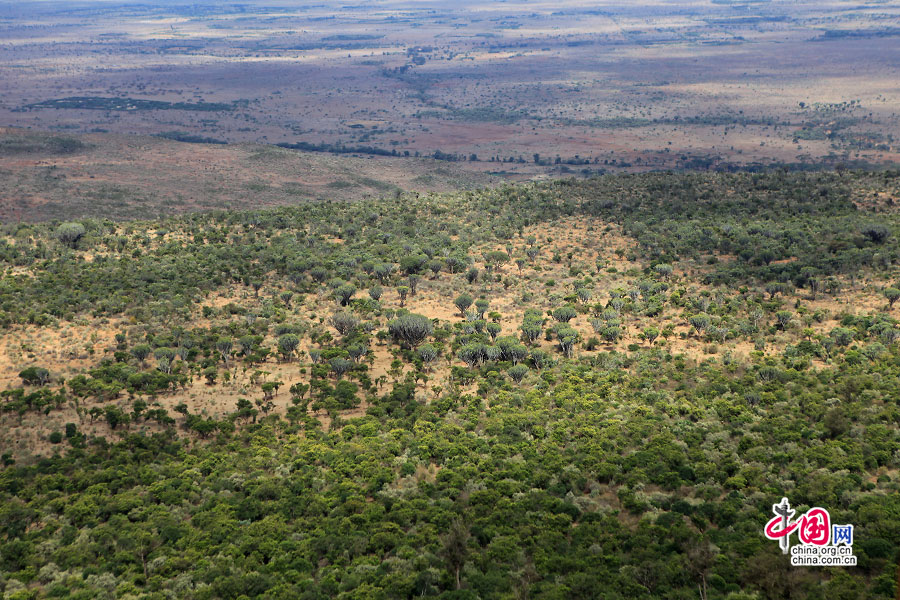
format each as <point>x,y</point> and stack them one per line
<point>518,372</point>
<point>564,314</point>
<point>344,322</point>
<point>35,376</point>
<point>344,293</point>
<point>70,233</point>
<point>412,329</point>
<point>427,353</point>
<point>463,302</point>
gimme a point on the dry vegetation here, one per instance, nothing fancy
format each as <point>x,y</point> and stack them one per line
<point>602,86</point>
<point>570,248</point>
<point>53,176</point>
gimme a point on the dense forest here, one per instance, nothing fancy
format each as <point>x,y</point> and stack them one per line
<point>569,389</point>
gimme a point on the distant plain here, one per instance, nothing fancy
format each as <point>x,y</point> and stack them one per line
<point>508,88</point>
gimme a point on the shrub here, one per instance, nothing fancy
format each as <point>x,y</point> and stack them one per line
<point>518,372</point>
<point>345,322</point>
<point>564,314</point>
<point>287,344</point>
<point>412,329</point>
<point>428,353</point>
<point>344,293</point>
<point>70,233</point>
<point>34,375</point>
<point>463,302</point>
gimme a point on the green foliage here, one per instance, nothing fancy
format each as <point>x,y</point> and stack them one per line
<point>525,473</point>
<point>462,303</point>
<point>411,329</point>
<point>892,294</point>
<point>564,314</point>
<point>539,469</point>
<point>287,344</point>
<point>70,233</point>
<point>141,352</point>
<point>518,372</point>
<point>427,353</point>
<point>344,293</point>
<point>34,376</point>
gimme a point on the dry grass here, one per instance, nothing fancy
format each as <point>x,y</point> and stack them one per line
<point>546,78</point>
<point>143,177</point>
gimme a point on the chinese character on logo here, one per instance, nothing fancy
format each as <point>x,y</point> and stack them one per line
<point>842,534</point>
<point>780,527</point>
<point>815,527</point>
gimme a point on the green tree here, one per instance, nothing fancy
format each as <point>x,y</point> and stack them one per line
<point>700,322</point>
<point>70,233</point>
<point>455,548</point>
<point>481,306</point>
<point>344,293</point>
<point>664,270</point>
<point>141,352</point>
<point>428,353</point>
<point>783,317</point>
<point>34,375</point>
<point>472,354</point>
<point>287,344</point>
<point>842,336</point>
<point>892,294</point>
<point>612,334</point>
<point>463,302</point>
<point>115,417</point>
<point>518,372</point>
<point>564,314</point>
<point>340,366</point>
<point>411,329</point>
<point>224,345</point>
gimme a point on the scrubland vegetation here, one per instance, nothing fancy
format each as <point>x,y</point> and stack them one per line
<point>572,389</point>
